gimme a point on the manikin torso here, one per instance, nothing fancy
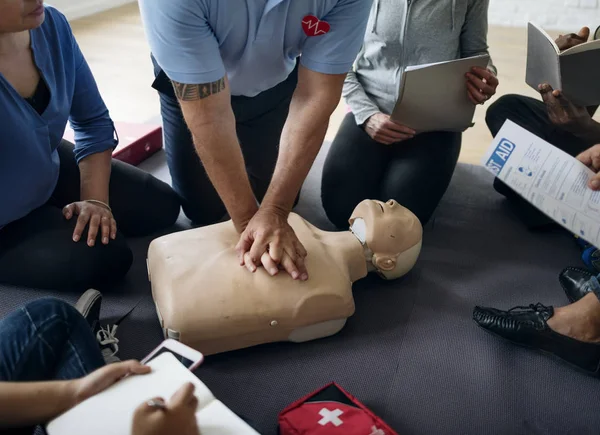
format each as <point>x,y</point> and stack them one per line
<point>206,300</point>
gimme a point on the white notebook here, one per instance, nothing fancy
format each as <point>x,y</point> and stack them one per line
<point>433,97</point>
<point>111,412</point>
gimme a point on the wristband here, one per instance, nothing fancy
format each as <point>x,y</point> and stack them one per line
<point>103,204</point>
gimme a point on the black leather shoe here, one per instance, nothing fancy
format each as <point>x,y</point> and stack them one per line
<point>526,326</point>
<point>574,282</point>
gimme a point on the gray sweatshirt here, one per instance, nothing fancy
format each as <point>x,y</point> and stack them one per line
<point>403,33</point>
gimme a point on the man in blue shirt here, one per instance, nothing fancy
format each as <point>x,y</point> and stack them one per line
<point>250,86</point>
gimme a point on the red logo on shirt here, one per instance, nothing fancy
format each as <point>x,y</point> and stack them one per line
<point>312,26</point>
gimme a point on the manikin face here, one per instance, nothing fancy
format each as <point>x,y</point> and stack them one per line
<point>387,228</point>
<point>20,15</point>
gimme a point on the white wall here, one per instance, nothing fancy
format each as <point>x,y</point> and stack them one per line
<point>565,15</point>
<point>74,9</point>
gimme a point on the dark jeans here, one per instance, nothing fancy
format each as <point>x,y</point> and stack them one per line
<point>415,173</point>
<point>46,340</point>
<point>259,122</point>
<point>531,114</point>
<point>38,250</point>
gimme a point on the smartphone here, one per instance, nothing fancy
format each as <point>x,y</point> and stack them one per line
<point>187,356</point>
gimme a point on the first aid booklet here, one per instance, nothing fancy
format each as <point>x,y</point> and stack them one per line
<point>111,412</point>
<point>547,177</point>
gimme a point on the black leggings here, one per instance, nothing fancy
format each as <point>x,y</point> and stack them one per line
<point>531,114</point>
<point>416,173</point>
<point>38,250</point>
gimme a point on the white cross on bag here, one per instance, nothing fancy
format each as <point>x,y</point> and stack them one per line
<point>330,417</point>
<point>376,431</point>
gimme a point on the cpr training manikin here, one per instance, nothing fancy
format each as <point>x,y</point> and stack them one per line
<point>206,300</point>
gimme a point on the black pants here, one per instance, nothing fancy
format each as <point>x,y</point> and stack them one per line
<point>259,122</point>
<point>416,172</point>
<point>532,115</point>
<point>38,250</point>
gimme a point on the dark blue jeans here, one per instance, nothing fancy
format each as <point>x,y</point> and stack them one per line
<point>259,122</point>
<point>47,340</point>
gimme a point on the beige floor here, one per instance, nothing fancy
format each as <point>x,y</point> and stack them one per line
<point>115,47</point>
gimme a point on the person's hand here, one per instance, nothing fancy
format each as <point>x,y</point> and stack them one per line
<point>564,42</point>
<point>481,85</point>
<point>591,158</point>
<point>101,379</point>
<point>176,417</point>
<point>96,216</point>
<point>563,113</point>
<point>383,130</point>
<point>269,240</point>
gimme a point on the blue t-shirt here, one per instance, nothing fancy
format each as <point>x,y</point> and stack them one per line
<point>29,162</point>
<point>256,42</point>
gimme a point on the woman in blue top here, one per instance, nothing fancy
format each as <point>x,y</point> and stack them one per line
<point>58,228</point>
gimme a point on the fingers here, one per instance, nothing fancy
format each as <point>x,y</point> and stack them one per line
<point>595,182</point>
<point>300,249</point>
<point>69,211</point>
<point>275,251</point>
<point>113,228</point>
<point>485,74</point>
<point>472,97</point>
<point>105,228</point>
<point>82,221</point>
<point>482,87</point>
<point>184,397</point>
<point>289,265</point>
<point>584,33</point>
<point>591,158</point>
<point>269,264</point>
<point>114,372</point>
<point>94,223</point>
<point>259,247</point>
<point>249,263</point>
<point>243,247</point>
<point>398,128</point>
<point>475,94</point>
<point>148,407</point>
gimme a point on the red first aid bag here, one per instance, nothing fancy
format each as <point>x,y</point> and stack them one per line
<point>330,411</point>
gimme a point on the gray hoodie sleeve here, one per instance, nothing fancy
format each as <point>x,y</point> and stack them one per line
<point>473,38</point>
<point>360,104</point>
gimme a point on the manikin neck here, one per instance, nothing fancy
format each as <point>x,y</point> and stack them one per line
<point>349,251</point>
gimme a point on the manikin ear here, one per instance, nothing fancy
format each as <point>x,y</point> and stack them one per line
<point>384,262</point>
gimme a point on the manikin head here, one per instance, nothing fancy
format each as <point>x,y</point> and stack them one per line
<point>20,15</point>
<point>391,234</point>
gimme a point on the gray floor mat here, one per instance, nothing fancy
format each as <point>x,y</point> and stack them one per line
<point>411,352</point>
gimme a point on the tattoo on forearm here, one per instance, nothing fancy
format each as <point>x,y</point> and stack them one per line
<point>186,92</point>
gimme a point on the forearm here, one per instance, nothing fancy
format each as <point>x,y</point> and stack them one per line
<point>218,147</point>
<point>360,104</point>
<point>95,176</point>
<point>301,141</point>
<point>25,404</point>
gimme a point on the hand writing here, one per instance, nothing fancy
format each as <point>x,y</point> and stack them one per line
<point>96,216</point>
<point>176,417</point>
<point>591,158</point>
<point>269,240</point>
<point>481,85</point>
<point>383,130</point>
